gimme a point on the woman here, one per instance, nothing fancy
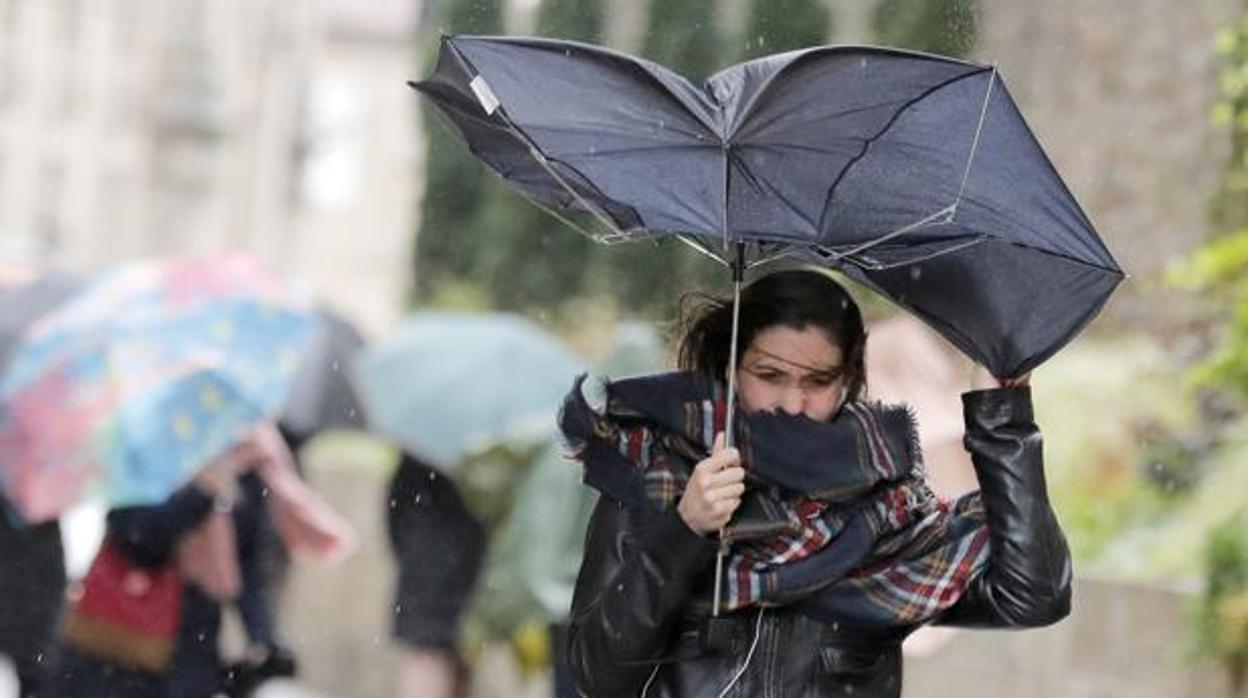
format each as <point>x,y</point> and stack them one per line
<point>837,549</point>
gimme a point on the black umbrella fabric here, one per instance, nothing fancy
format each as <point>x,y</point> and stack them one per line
<point>914,174</point>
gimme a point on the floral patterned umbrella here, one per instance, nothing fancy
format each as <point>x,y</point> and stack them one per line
<point>146,375</point>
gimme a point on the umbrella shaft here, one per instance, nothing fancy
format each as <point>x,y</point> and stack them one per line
<point>738,274</point>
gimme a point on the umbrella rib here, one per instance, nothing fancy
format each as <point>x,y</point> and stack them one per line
<point>701,247</point>
<point>946,212</point>
<point>979,127</point>
<point>869,141</point>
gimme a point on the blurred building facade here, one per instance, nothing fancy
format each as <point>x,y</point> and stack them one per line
<point>133,128</point>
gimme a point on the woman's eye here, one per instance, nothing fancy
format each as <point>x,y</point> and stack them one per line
<point>768,376</point>
<point>823,380</point>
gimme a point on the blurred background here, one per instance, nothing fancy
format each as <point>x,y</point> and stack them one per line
<point>283,128</point>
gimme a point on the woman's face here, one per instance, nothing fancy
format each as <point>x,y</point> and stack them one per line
<point>792,371</point>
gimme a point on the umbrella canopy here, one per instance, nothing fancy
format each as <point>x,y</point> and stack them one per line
<point>22,304</point>
<point>448,383</point>
<point>322,395</point>
<point>142,378</point>
<point>912,173</point>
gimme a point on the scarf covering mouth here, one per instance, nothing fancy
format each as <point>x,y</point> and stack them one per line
<point>837,515</point>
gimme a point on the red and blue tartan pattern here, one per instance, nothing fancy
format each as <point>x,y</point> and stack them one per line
<point>914,554</point>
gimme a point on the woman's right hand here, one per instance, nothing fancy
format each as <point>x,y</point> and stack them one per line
<point>714,490</point>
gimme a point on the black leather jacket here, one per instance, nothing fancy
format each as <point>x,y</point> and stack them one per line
<point>631,630</point>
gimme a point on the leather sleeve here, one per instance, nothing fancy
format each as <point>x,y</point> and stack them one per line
<point>1027,582</point>
<point>631,591</point>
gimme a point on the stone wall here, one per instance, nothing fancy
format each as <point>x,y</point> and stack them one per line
<point>1120,641</point>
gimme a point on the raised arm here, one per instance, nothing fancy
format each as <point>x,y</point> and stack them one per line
<point>1027,582</point>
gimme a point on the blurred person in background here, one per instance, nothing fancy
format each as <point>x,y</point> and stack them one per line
<point>32,574</point>
<point>32,591</point>
<point>438,547</point>
<point>207,536</point>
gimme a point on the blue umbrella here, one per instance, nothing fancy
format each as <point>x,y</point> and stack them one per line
<point>142,378</point>
<point>449,383</point>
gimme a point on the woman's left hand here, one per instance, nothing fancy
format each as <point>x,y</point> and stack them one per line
<point>982,379</point>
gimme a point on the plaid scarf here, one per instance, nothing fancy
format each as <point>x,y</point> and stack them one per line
<point>837,515</point>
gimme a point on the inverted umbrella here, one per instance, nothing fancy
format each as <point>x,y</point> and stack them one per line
<point>448,383</point>
<point>145,376</point>
<point>914,174</point>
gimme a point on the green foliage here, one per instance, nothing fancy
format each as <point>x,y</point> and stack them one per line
<point>784,25</point>
<point>1230,207</point>
<point>946,27</point>
<point>681,36</point>
<point>454,180</point>
<point>1220,615</point>
<point>578,20</point>
<point>1220,268</point>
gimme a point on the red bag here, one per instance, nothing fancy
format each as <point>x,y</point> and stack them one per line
<point>124,613</point>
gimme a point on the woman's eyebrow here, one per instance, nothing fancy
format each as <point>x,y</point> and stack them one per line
<point>827,370</point>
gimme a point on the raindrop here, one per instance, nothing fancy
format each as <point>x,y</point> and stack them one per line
<point>351,412</point>
<point>916,273</point>
<point>762,40</point>
<point>334,364</point>
<point>416,499</point>
<point>836,627</point>
<point>393,503</point>
<point>432,476</point>
<point>398,608</point>
<point>848,689</point>
<point>620,587</point>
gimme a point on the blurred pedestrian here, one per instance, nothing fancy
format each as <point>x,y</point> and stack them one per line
<point>165,573</point>
<point>438,547</point>
<point>32,591</point>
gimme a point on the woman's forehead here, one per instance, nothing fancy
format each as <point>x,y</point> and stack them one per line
<point>808,349</point>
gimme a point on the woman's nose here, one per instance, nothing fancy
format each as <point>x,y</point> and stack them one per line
<point>793,402</point>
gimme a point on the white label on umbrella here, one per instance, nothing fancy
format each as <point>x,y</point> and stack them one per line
<point>484,94</point>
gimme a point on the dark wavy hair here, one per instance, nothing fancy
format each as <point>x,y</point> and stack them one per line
<point>794,298</point>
